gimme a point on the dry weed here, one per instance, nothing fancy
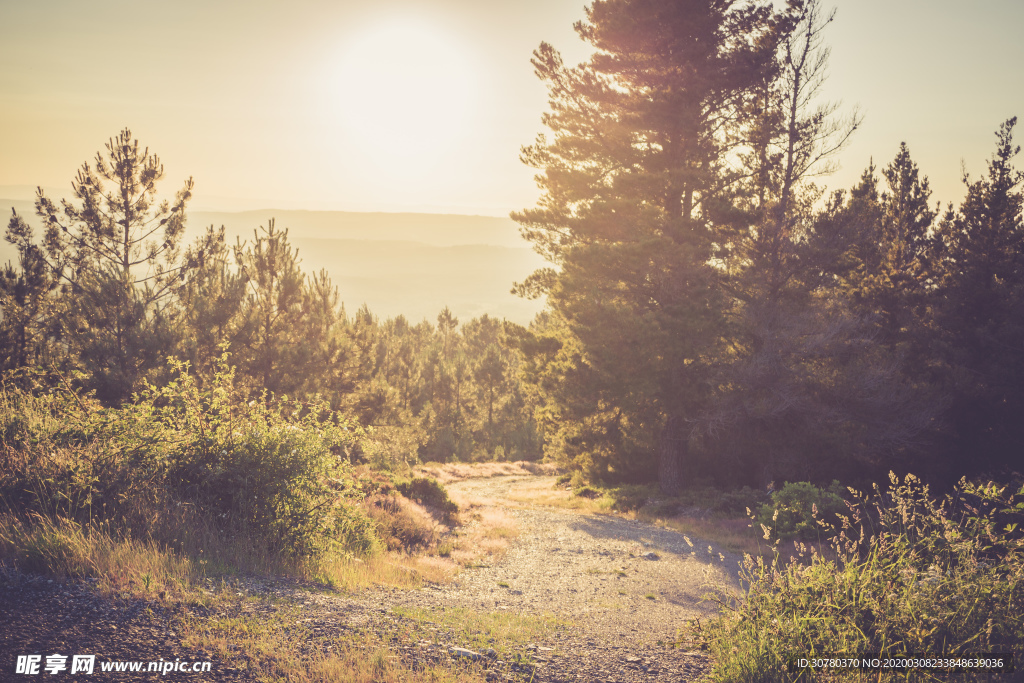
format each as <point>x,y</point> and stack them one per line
<point>447,473</point>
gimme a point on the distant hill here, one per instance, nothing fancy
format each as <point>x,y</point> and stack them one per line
<point>411,264</point>
<point>441,230</point>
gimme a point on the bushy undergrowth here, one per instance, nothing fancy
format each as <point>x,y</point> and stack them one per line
<point>700,501</point>
<point>183,457</point>
<point>402,524</point>
<point>408,514</point>
<point>794,510</point>
<point>907,575</point>
<point>428,491</point>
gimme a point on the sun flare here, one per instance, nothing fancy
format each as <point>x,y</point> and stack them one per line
<point>405,94</point>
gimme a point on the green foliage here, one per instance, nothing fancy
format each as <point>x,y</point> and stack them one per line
<point>275,473</point>
<point>117,258</point>
<point>708,317</point>
<point>629,175</point>
<point>980,314</point>
<point>794,511</point>
<point>906,574</point>
<point>587,492</point>
<point>272,311</point>
<point>26,302</point>
<point>737,501</point>
<point>428,491</point>
<point>109,293</point>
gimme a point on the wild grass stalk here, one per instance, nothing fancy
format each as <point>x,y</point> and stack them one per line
<point>907,575</point>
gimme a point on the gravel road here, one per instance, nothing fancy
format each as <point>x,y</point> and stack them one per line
<point>619,590</point>
<point>623,586</point>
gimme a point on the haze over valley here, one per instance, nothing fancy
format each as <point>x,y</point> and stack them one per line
<point>411,264</point>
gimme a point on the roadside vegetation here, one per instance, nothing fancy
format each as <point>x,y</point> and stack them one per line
<point>192,489</point>
<point>188,481</point>
<point>907,574</point>
<point>832,571</point>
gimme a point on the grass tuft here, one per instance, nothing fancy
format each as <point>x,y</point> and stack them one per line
<point>906,575</point>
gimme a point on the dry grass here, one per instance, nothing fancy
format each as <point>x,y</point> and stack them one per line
<point>544,492</point>
<point>448,472</point>
<point>394,569</point>
<point>274,646</point>
<point>279,646</point>
<point>119,564</point>
<point>484,539</point>
<point>403,523</point>
<point>124,565</point>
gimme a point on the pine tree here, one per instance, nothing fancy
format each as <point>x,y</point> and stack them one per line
<point>272,310</point>
<point>892,231</point>
<point>27,326</point>
<point>637,161</point>
<point>328,355</point>
<point>981,313</point>
<point>118,258</point>
<point>209,307</point>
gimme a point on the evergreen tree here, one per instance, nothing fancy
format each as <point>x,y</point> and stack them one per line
<point>638,159</point>
<point>209,306</point>
<point>981,313</point>
<point>272,311</point>
<point>27,325</point>
<point>484,337</point>
<point>328,356</point>
<point>892,231</point>
<point>118,258</point>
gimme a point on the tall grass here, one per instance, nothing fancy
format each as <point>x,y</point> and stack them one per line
<point>907,574</point>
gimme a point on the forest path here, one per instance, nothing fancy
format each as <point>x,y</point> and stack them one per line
<point>619,589</point>
<point>567,601</point>
<point>598,570</point>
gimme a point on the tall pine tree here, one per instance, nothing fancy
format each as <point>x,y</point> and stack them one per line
<point>638,157</point>
<point>981,314</point>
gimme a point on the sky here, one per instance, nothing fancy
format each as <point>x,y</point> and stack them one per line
<point>423,106</point>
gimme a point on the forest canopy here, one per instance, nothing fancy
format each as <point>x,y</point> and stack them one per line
<point>712,313</point>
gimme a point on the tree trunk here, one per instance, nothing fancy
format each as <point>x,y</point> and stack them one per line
<point>670,466</point>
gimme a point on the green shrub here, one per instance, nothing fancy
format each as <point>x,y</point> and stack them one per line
<point>587,492</point>
<point>794,510</point>
<point>428,491</point>
<point>274,473</point>
<point>906,574</point>
<point>737,501</point>
<point>632,496</point>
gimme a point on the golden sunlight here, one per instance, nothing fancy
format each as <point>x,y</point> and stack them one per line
<point>405,95</point>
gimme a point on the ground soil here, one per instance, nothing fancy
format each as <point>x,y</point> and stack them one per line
<point>619,591</point>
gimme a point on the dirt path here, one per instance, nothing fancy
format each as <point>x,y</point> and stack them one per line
<point>619,579</point>
<point>619,588</point>
<point>608,592</point>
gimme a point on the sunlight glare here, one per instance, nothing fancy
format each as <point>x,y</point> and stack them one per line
<point>405,94</point>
